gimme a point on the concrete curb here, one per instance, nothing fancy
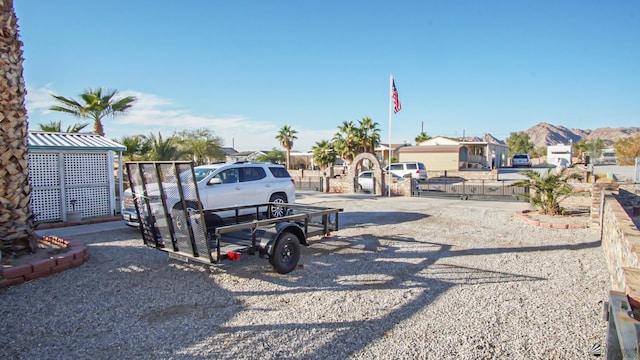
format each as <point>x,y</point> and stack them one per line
<point>57,225</point>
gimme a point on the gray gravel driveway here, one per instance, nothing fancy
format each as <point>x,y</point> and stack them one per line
<point>405,278</point>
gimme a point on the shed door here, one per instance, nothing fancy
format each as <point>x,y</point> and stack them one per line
<point>86,182</point>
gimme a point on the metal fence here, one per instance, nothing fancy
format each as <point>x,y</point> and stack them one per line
<point>309,183</point>
<point>464,189</point>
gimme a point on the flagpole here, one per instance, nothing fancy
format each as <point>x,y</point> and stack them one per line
<point>390,115</point>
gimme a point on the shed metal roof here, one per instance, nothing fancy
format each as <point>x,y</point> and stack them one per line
<point>41,140</point>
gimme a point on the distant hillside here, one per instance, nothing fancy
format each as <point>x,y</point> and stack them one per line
<point>485,138</point>
<point>545,134</point>
<point>491,139</point>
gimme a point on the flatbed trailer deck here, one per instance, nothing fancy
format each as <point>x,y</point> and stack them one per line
<point>164,196</point>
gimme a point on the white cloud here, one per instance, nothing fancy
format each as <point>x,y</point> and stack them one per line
<point>152,114</point>
<point>39,99</point>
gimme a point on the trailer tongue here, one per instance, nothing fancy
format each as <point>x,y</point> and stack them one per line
<point>172,219</point>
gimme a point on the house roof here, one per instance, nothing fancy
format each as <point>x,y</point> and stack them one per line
<point>41,140</point>
<point>385,146</point>
<point>430,149</point>
<point>229,150</point>
<point>247,153</point>
<point>447,141</point>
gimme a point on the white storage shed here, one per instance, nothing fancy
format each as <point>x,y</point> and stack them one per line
<point>73,172</point>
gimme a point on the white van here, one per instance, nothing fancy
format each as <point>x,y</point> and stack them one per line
<point>402,169</point>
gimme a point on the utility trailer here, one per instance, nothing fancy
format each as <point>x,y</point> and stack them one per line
<point>171,219</point>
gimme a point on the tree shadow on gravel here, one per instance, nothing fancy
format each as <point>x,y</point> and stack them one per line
<point>130,294</point>
<point>416,270</point>
<point>362,218</point>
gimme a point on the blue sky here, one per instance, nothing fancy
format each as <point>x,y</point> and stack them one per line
<point>245,68</point>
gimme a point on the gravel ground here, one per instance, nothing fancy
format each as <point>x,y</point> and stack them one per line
<point>405,278</point>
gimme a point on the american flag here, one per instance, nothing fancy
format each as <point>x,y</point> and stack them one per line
<point>394,95</point>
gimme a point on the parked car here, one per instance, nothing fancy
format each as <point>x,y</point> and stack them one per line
<point>417,170</point>
<point>226,185</point>
<point>365,180</point>
<point>521,160</point>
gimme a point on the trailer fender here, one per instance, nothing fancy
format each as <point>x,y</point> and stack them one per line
<point>282,227</point>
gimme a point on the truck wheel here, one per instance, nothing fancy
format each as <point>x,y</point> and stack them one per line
<point>286,253</point>
<point>277,211</point>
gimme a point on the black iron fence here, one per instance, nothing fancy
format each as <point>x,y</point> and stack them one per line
<point>465,189</point>
<point>309,183</point>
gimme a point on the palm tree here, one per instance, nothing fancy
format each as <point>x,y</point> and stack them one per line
<point>137,146</point>
<point>422,137</point>
<point>96,106</point>
<point>163,150</point>
<point>346,141</point>
<point>547,191</point>
<point>323,153</point>
<point>286,137</point>
<point>368,135</point>
<point>579,147</point>
<point>16,218</point>
<point>56,126</point>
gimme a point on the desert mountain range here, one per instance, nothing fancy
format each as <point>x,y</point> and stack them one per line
<point>544,134</point>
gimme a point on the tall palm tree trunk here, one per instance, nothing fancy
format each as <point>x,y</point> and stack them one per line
<point>288,158</point>
<point>97,127</point>
<point>16,226</point>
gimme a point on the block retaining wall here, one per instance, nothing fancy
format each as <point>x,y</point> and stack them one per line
<point>75,255</point>
<point>621,245</point>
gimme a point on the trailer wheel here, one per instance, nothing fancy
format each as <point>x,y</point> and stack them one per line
<point>277,211</point>
<point>286,253</point>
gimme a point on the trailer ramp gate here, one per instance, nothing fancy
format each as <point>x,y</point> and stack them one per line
<point>172,219</point>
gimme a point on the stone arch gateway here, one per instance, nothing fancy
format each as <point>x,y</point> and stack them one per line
<point>356,168</point>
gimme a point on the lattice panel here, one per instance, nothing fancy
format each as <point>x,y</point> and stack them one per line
<point>85,168</point>
<point>44,177</point>
<point>45,204</point>
<point>44,170</point>
<point>92,201</point>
